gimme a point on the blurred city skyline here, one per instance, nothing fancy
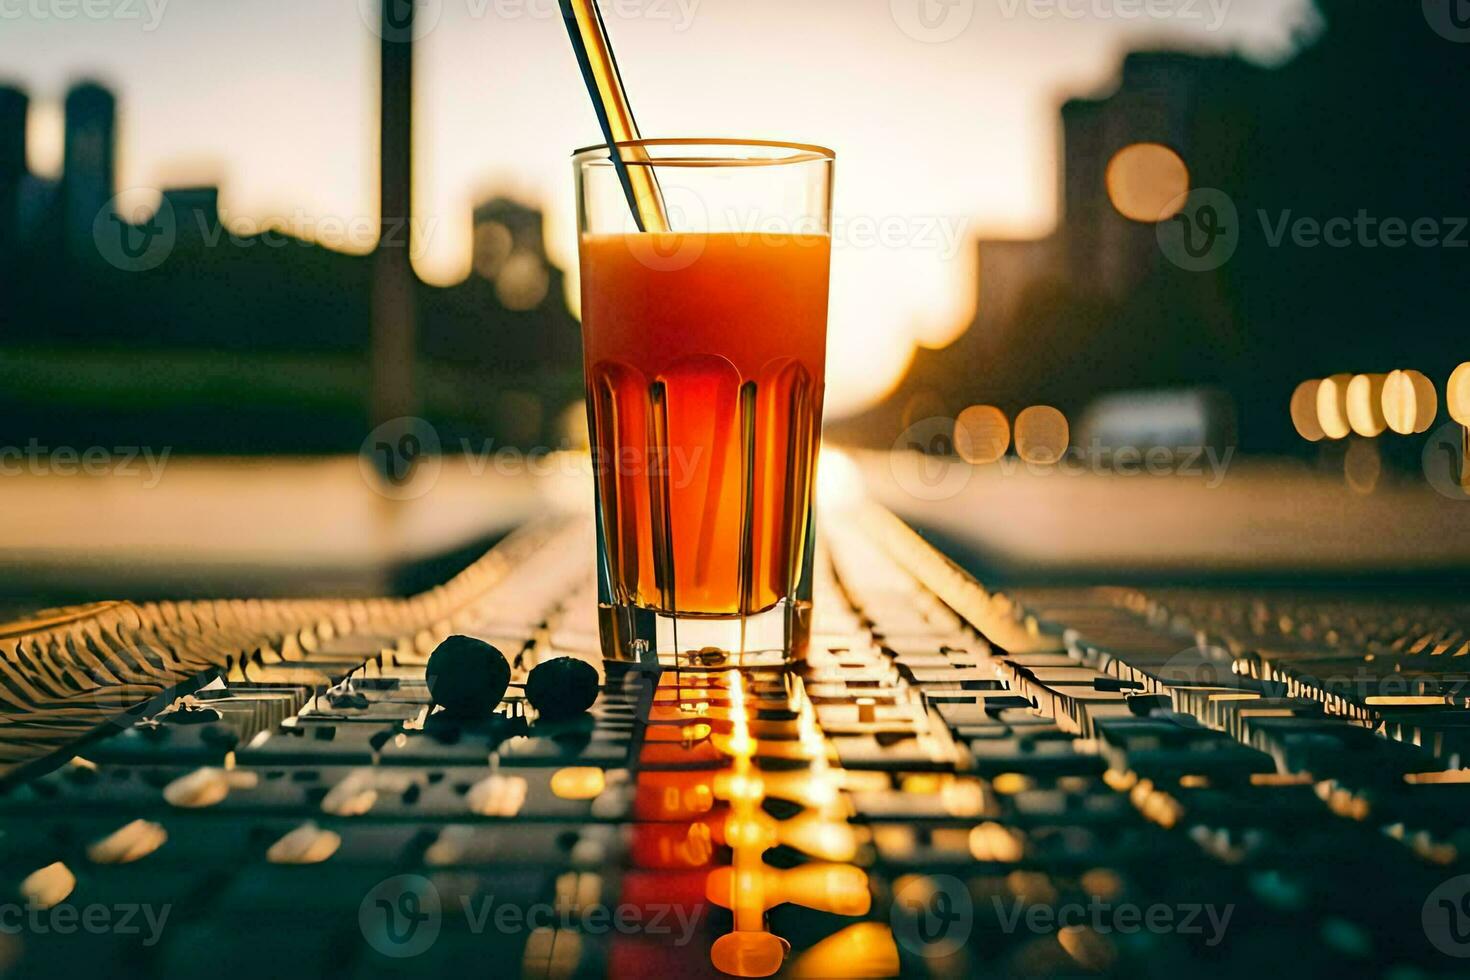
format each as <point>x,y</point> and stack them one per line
<point>941,139</point>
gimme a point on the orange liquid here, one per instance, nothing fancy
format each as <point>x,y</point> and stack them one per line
<point>704,361</point>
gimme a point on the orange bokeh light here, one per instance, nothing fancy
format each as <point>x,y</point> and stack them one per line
<point>1147,182</point>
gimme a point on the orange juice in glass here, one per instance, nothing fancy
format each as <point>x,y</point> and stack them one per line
<point>705,350</point>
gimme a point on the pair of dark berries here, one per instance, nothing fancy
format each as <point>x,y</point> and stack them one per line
<point>468,678</point>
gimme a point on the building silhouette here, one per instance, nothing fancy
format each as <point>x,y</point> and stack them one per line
<point>260,342</point>
<point>1358,122</point>
<point>89,178</point>
<point>13,171</point>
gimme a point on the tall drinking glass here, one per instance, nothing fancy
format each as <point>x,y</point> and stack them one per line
<point>705,349</point>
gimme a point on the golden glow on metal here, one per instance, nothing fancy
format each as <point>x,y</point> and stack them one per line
<point>497,796</point>
<point>750,950</point>
<point>1092,950</point>
<point>1011,783</point>
<point>1440,776</point>
<point>865,949</point>
<point>1102,883</point>
<point>837,888</point>
<point>128,843</point>
<point>198,789</point>
<point>1406,701</point>
<point>307,844</point>
<point>578,783</point>
<point>48,886</point>
<point>992,842</point>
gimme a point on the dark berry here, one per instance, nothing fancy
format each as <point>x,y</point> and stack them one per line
<point>467,677</point>
<point>562,688</point>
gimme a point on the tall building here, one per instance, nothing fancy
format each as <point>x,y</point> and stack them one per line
<point>88,179</point>
<point>1166,97</point>
<point>13,106</point>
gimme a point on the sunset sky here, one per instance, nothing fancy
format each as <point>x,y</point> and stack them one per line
<point>943,114</point>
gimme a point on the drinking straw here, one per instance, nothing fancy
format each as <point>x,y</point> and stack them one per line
<point>599,67</point>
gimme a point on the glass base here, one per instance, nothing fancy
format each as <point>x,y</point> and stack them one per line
<point>655,640</point>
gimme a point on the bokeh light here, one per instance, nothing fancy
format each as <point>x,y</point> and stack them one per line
<point>1365,405</point>
<point>1304,411</point>
<point>1410,402</point>
<point>493,245</point>
<point>1147,182</point>
<point>1426,400</point>
<point>1042,434</point>
<point>1457,394</point>
<point>982,434</point>
<point>1332,406</point>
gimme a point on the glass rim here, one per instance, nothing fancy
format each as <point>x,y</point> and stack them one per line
<point>800,153</point>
